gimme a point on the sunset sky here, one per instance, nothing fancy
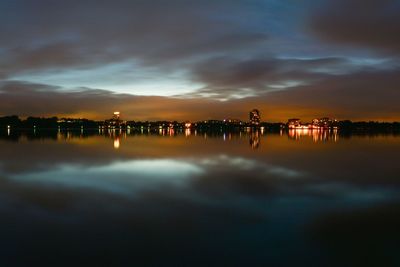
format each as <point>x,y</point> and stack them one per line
<point>205,59</point>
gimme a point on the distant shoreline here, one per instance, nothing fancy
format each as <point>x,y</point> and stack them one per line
<point>54,123</point>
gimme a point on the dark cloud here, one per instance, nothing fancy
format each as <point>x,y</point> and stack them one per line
<point>25,99</point>
<point>364,23</point>
<point>360,95</point>
<point>227,77</point>
<point>42,34</point>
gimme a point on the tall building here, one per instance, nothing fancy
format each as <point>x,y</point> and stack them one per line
<point>115,121</point>
<point>325,123</point>
<point>255,117</point>
<point>116,115</point>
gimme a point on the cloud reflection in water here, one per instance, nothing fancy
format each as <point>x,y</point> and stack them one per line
<point>117,177</point>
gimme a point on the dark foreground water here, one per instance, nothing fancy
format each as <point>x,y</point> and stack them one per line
<point>195,199</point>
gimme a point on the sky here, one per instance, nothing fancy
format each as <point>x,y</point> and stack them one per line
<point>205,59</point>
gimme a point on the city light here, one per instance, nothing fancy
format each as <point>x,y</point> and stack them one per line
<point>255,117</point>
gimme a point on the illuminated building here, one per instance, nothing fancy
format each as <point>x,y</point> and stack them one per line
<point>116,115</point>
<point>324,123</point>
<point>233,122</point>
<point>115,121</point>
<point>255,117</point>
<point>315,122</point>
<point>294,123</point>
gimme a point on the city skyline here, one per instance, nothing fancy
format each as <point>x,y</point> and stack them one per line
<point>253,123</point>
<point>191,60</point>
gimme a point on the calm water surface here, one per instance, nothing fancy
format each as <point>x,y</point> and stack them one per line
<point>196,199</point>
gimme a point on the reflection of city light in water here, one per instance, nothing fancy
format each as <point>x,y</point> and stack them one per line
<point>335,135</point>
<point>317,135</point>
<point>171,132</point>
<point>116,143</point>
<point>254,139</point>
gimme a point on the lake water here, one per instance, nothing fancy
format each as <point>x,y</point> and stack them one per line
<point>199,199</point>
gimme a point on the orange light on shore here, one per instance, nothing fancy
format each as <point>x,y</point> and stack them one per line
<point>117,115</point>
